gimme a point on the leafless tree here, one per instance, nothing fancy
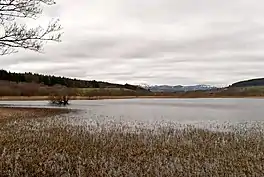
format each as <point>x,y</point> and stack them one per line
<point>16,34</point>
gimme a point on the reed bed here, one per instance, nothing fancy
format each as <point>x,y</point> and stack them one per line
<point>56,147</point>
<point>8,114</point>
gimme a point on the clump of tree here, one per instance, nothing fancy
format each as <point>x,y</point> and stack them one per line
<point>60,95</point>
<point>59,100</point>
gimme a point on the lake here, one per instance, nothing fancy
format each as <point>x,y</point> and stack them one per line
<point>183,111</point>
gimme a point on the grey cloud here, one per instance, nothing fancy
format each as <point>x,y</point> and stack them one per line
<point>140,47</point>
<point>155,42</point>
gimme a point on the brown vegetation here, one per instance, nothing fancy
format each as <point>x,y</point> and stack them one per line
<point>34,91</point>
<point>8,113</point>
<point>218,93</point>
<point>50,147</point>
<point>8,88</point>
<point>59,100</point>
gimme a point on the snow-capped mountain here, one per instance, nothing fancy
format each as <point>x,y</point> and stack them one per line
<point>178,88</point>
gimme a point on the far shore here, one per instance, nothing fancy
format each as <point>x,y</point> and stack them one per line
<point>43,98</point>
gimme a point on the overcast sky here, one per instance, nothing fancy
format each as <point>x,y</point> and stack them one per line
<point>152,41</point>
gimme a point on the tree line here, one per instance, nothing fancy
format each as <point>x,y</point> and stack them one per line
<point>249,83</point>
<point>8,88</point>
<point>50,80</point>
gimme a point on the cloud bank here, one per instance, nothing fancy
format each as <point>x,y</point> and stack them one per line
<point>152,41</point>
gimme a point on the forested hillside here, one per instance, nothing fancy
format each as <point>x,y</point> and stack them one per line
<point>54,80</point>
<point>249,83</point>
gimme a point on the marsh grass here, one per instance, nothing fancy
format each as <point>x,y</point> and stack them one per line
<point>55,147</point>
<point>8,114</point>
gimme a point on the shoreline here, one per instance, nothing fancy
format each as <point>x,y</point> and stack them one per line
<point>46,98</point>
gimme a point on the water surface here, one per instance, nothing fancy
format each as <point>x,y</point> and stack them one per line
<point>232,110</point>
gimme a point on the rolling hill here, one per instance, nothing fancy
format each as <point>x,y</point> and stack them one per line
<point>249,83</point>
<point>49,80</point>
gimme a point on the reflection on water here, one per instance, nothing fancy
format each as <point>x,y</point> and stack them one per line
<point>183,111</point>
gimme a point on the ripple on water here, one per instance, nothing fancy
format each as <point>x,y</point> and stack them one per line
<point>91,119</point>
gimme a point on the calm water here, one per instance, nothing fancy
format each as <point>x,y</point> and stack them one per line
<point>176,110</point>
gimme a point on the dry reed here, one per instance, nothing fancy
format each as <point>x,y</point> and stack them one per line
<point>56,147</point>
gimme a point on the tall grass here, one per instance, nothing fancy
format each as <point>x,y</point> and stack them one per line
<point>56,147</point>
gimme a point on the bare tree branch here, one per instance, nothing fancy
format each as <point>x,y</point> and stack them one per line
<point>19,36</point>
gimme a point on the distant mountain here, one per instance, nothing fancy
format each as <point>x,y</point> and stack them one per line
<point>248,83</point>
<point>178,88</point>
